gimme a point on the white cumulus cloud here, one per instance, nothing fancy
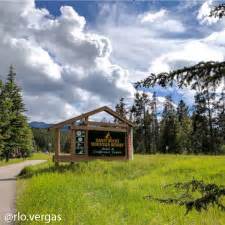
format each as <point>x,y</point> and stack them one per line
<point>63,68</point>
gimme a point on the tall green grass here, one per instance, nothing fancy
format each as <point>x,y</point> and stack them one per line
<point>111,193</point>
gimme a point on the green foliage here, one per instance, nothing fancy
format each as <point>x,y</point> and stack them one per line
<point>184,129</point>
<point>168,128</point>
<point>183,136</point>
<point>144,115</point>
<point>25,140</point>
<point>15,134</point>
<point>1,124</point>
<point>182,111</point>
<point>121,109</point>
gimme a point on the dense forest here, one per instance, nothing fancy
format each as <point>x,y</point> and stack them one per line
<point>199,129</point>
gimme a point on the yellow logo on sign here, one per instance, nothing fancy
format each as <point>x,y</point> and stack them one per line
<point>107,141</point>
<point>108,136</point>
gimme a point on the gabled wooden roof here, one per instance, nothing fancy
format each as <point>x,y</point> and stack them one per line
<point>93,112</point>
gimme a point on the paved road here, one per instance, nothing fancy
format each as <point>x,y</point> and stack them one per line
<point>8,186</point>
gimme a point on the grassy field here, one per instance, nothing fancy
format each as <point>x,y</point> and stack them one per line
<point>33,156</point>
<point>111,193</point>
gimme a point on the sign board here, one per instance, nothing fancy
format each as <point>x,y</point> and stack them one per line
<point>91,140</point>
<point>106,143</point>
<point>80,142</point>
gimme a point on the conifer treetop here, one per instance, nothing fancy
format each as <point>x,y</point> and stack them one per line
<point>12,74</point>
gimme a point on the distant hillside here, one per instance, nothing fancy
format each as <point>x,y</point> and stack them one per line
<point>36,124</point>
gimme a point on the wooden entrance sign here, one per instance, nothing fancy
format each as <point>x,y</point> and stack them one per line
<point>95,140</point>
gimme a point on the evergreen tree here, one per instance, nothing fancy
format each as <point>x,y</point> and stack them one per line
<point>168,128</point>
<point>154,125</point>
<point>206,103</point>
<point>24,139</point>
<point>121,109</point>
<point>1,123</point>
<point>5,118</point>
<point>147,136</point>
<point>184,128</point>
<point>15,129</point>
<point>182,111</point>
<point>220,121</point>
<point>139,113</point>
<point>139,107</point>
<point>200,134</point>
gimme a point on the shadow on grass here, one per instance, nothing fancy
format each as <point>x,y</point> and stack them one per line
<point>30,171</point>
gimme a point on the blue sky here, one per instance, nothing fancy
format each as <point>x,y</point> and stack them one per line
<point>73,56</point>
<point>90,9</point>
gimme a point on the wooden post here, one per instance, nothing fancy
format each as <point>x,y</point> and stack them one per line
<point>130,143</point>
<point>57,145</point>
<point>72,142</point>
<point>86,137</point>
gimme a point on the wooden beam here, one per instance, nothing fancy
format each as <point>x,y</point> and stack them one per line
<point>77,158</point>
<point>117,115</point>
<point>74,119</point>
<point>57,141</point>
<point>103,124</point>
<point>86,138</point>
<point>75,141</point>
<point>82,116</point>
<point>57,145</point>
<point>72,142</point>
<point>130,143</point>
<point>99,128</point>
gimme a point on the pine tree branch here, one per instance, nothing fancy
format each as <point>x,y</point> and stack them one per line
<point>218,11</point>
<point>201,75</point>
<point>211,195</point>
